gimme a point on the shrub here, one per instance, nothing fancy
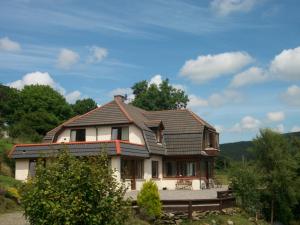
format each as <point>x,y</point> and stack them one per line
<point>148,200</point>
<point>75,191</point>
<point>13,194</point>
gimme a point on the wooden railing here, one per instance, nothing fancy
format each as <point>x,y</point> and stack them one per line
<point>224,199</point>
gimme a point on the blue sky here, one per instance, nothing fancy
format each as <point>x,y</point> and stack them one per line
<point>238,60</point>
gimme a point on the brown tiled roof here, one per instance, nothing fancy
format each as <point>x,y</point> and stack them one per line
<point>109,113</point>
<point>177,121</point>
<point>183,129</point>
<point>79,149</point>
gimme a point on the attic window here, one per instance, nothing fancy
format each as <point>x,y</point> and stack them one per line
<point>78,135</point>
<point>159,136</point>
<point>120,133</point>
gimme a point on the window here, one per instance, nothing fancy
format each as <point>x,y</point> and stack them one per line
<point>159,136</point>
<point>210,140</point>
<point>154,169</point>
<point>132,169</point>
<point>32,167</point>
<point>180,168</point>
<point>78,135</point>
<point>120,133</point>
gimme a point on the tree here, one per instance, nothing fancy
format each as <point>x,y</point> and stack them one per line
<point>41,108</point>
<point>148,200</point>
<point>279,178</point>
<point>75,191</point>
<point>158,97</point>
<point>245,181</point>
<point>83,106</point>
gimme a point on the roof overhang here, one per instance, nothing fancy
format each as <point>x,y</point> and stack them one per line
<point>112,148</point>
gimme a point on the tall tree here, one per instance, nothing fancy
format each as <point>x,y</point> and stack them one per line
<point>158,97</point>
<point>278,174</point>
<point>41,109</point>
<point>83,106</point>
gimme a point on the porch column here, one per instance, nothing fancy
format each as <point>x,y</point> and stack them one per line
<point>116,165</point>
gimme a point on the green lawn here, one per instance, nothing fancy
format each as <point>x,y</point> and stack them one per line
<point>6,182</point>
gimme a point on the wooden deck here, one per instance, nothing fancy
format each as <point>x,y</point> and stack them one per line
<point>189,201</point>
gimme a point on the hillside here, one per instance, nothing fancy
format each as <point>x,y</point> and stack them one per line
<point>238,150</point>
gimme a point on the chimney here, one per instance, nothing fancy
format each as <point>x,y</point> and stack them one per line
<point>120,98</point>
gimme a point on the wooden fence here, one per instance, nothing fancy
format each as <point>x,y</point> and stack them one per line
<point>224,199</point>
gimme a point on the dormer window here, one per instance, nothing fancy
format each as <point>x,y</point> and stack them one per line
<point>211,140</point>
<point>120,133</point>
<point>77,135</point>
<point>159,136</point>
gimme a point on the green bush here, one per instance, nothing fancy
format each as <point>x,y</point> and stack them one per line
<point>75,191</point>
<point>148,200</point>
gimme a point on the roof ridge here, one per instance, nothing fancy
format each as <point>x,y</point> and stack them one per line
<point>199,119</point>
<point>124,110</point>
<point>165,110</point>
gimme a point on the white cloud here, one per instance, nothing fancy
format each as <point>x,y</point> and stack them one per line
<point>222,98</point>
<point>279,128</point>
<point>156,79</point>
<point>219,128</point>
<point>286,65</point>
<point>292,95</point>
<point>207,67</point>
<point>247,123</point>
<point>44,78</point>
<point>8,45</point>
<point>196,102</point>
<point>67,58</point>
<point>97,54</point>
<point>73,96</point>
<point>123,91</point>
<point>34,78</point>
<point>275,116</point>
<point>226,7</point>
<point>295,129</point>
<point>252,75</point>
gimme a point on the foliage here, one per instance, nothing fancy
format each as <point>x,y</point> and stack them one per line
<point>279,179</point>
<point>12,193</point>
<point>238,150</point>
<point>83,106</point>
<point>75,191</point>
<point>237,219</point>
<point>7,205</point>
<point>7,182</point>
<point>33,111</point>
<point>6,164</point>
<point>162,97</point>
<point>148,200</point>
<point>245,183</point>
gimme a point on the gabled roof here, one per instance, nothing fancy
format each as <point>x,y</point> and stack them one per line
<point>183,129</point>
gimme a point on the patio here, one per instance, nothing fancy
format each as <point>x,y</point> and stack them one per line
<point>184,194</point>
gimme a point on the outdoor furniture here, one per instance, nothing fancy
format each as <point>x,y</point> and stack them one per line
<point>184,184</point>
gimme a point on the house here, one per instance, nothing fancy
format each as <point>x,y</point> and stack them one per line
<point>171,147</point>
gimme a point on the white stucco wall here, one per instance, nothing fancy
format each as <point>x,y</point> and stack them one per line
<point>90,134</point>
<point>22,168</point>
<point>104,133</point>
<point>135,135</point>
<point>64,136</point>
<point>115,163</point>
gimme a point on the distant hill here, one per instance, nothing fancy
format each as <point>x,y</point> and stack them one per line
<point>238,150</point>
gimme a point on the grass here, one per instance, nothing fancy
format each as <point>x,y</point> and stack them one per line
<point>240,219</point>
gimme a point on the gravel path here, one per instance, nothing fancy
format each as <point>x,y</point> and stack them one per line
<point>15,218</point>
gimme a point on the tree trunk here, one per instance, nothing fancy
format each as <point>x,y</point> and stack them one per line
<point>272,212</point>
